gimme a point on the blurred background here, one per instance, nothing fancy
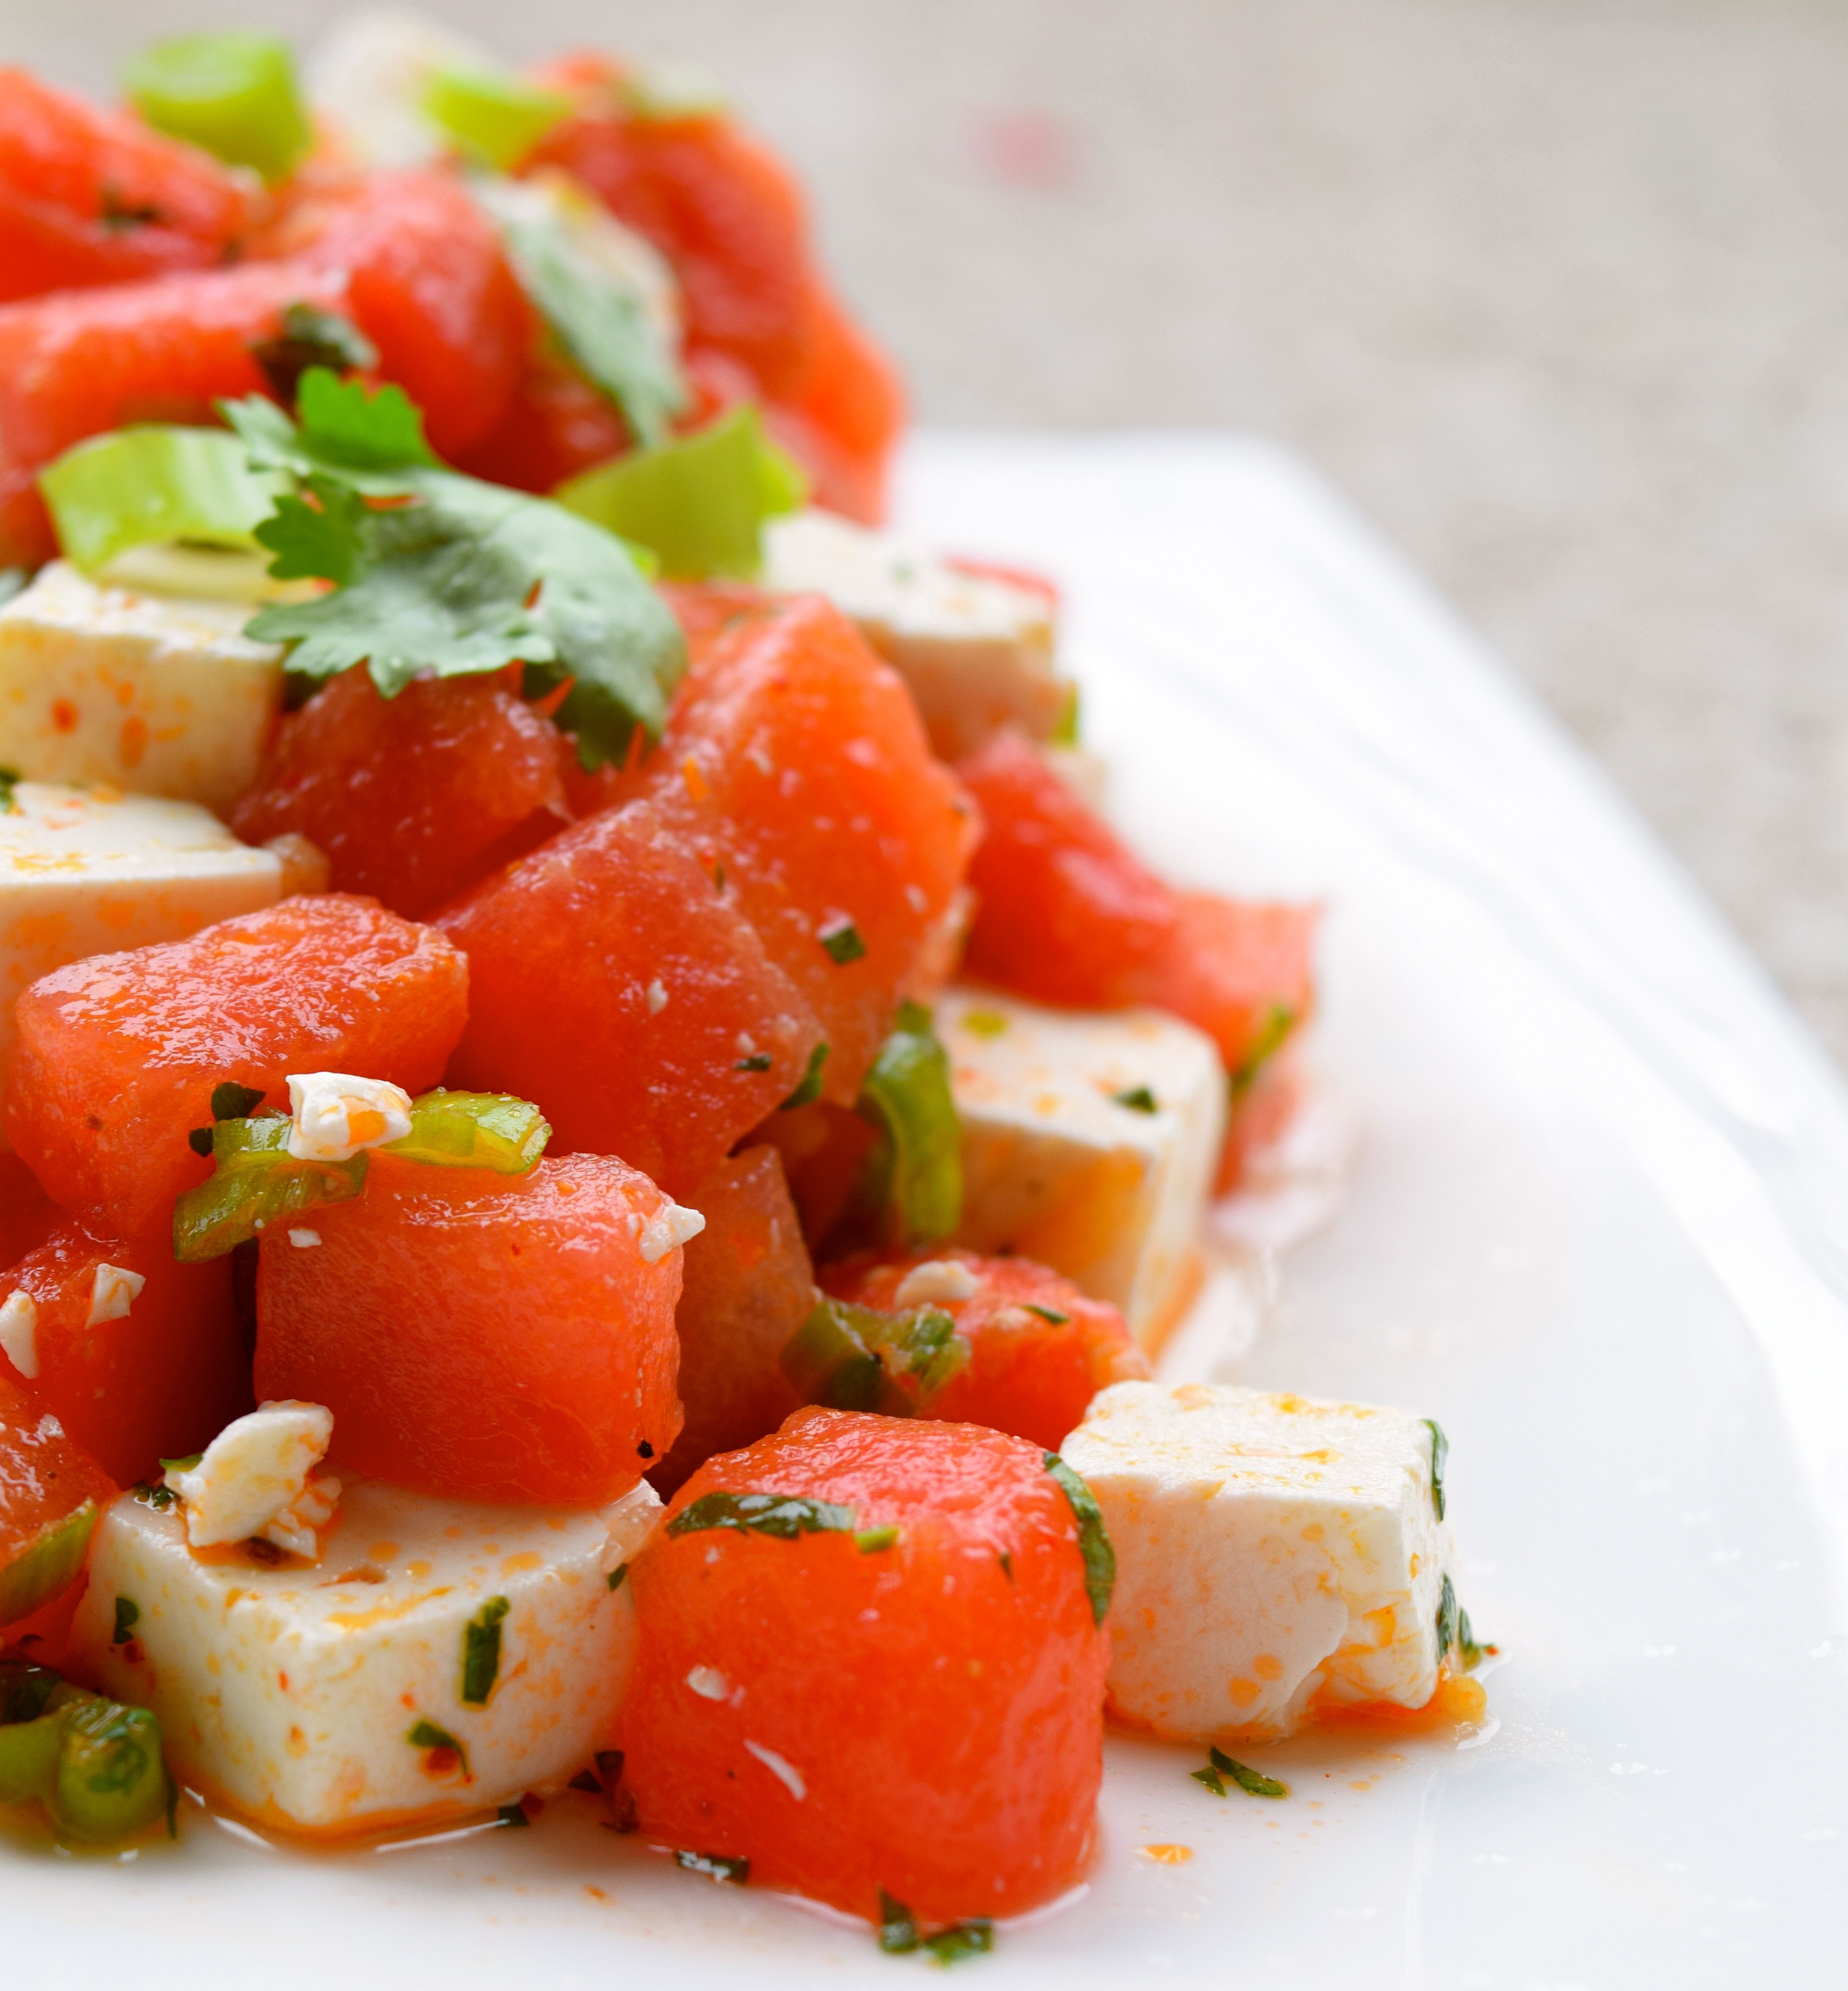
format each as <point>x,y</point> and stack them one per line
<point>1556,293</point>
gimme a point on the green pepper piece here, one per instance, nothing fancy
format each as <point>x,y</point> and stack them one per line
<point>474,1130</point>
<point>47,1566</point>
<point>232,94</point>
<point>110,1780</point>
<point>496,116</point>
<point>257,1182</point>
<point>912,1190</point>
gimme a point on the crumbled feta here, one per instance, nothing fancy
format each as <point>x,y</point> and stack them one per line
<point>1274,1554</point>
<point>671,1224</point>
<point>977,651</point>
<point>936,1279</point>
<point>290,1694</point>
<point>113,1291</point>
<point>20,1333</point>
<point>304,1239</point>
<point>86,871</point>
<point>709,1683</point>
<point>1057,1165</point>
<point>159,697</point>
<point>657,996</point>
<point>781,1767</point>
<point>256,1480</point>
<point>336,1115</point>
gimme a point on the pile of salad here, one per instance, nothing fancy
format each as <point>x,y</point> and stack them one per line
<point>599,1134</point>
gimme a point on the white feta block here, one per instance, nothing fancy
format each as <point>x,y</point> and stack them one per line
<point>976,651</point>
<point>1276,1556</point>
<point>1089,1142</point>
<point>293,1695</point>
<point>86,871</point>
<point>159,695</point>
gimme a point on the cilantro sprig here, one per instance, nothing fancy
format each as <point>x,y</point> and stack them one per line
<point>437,573</point>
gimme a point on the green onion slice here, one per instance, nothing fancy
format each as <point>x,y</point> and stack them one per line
<point>698,502</point>
<point>474,1130</point>
<point>911,1193</point>
<point>232,94</point>
<point>496,116</point>
<point>257,1181</point>
<point>151,485</point>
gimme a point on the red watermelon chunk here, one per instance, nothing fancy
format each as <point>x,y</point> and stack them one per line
<point>485,1336</point>
<point>795,766</point>
<point>414,798</point>
<point>862,1715</point>
<point>614,984</point>
<point>117,1055</point>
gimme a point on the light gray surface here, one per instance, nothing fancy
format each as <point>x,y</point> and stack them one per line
<point>1556,291</point>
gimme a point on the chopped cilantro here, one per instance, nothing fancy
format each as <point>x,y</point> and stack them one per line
<point>159,1498</point>
<point>615,1578</point>
<point>910,1190</point>
<point>482,1651</point>
<point>200,1141</point>
<point>1051,1315</point>
<point>586,1780</point>
<point>841,939</point>
<point>757,1061</point>
<point>1470,1653</point>
<point>962,1940</point>
<point>425,1734</point>
<point>1138,1098</point>
<point>716,1866</point>
<point>311,337</point>
<point>1279,1020</point>
<point>1007,1564</point>
<point>1210,1778</point>
<point>898,1931</point>
<point>24,1688</point>
<point>1248,1779</point>
<point>860,1358</point>
<point>232,1101</point>
<point>513,1814</point>
<point>869,1541</point>
<point>10,777</point>
<point>810,1088</point>
<point>783,1515</point>
<point>127,1615</point>
<point>454,577</point>
<point>1093,1538</point>
<point>1446,1619</point>
<point>598,311</point>
<point>1440,1455</point>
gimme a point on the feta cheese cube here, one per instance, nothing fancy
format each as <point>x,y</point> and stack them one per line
<point>161,697</point>
<point>1089,1142</point>
<point>387,1687</point>
<point>88,871</point>
<point>256,1480</point>
<point>335,1115</point>
<point>976,651</point>
<point>1276,1555</point>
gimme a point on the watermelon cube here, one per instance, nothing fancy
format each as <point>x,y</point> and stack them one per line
<point>117,1055</point>
<point>414,798</point>
<point>488,1337</point>
<point>613,983</point>
<point>51,1491</point>
<point>871,1669</point>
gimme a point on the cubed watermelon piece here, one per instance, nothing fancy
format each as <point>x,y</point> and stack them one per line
<point>117,1055</point>
<point>796,765</point>
<point>723,212</point>
<point>555,425</point>
<point>76,362</point>
<point>51,1491</point>
<point>28,1216</point>
<point>414,798</point>
<point>90,196</point>
<point>427,280</point>
<point>483,1336</point>
<point>897,1693</point>
<point>612,982</point>
<point>1039,1349</point>
<point>26,538</point>
<point>749,1287</point>
<point>140,1358</point>
<point>1066,913</point>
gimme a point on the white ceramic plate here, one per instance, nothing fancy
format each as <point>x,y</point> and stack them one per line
<point>1597,1224</point>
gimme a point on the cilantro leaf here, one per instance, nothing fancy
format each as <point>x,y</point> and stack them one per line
<point>455,577</point>
<point>596,307</point>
